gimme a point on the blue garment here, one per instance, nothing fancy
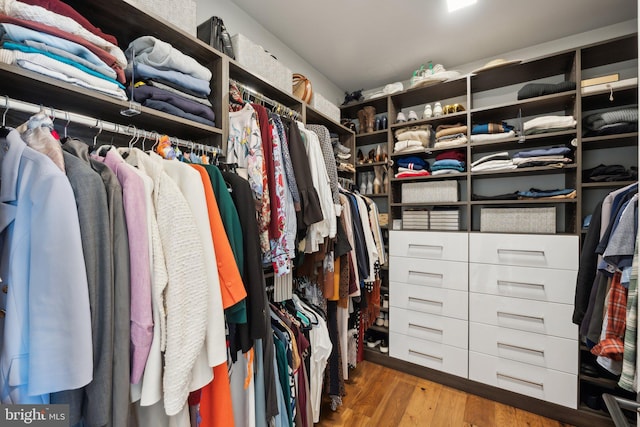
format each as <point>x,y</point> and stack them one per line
<point>281,419</point>
<point>21,34</point>
<point>483,128</point>
<point>412,162</point>
<point>46,337</point>
<point>258,375</point>
<point>172,109</point>
<point>28,49</point>
<point>448,163</point>
<point>553,151</point>
<point>535,193</point>
<point>143,71</point>
<point>142,92</point>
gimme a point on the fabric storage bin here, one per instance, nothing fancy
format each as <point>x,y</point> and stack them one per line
<point>327,108</point>
<point>258,61</point>
<point>518,220</point>
<point>430,192</point>
<point>181,13</point>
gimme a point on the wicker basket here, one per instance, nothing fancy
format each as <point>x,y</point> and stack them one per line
<point>430,192</point>
<point>518,220</point>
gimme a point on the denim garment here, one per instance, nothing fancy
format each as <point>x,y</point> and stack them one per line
<point>535,193</point>
<point>553,151</point>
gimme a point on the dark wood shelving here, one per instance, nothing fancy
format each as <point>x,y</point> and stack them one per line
<point>434,121</point>
<point>428,94</point>
<point>611,184</point>
<point>563,101</point>
<point>610,141</point>
<point>536,170</point>
<point>538,140</point>
<point>446,177</point>
<point>351,110</point>
<point>545,201</point>
<point>418,205</point>
<point>314,116</point>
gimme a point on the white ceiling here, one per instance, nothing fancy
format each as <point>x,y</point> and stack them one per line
<point>369,43</point>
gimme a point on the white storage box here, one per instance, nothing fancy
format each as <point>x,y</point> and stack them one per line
<point>259,62</point>
<point>181,13</point>
<point>518,220</point>
<point>327,108</point>
<point>430,192</point>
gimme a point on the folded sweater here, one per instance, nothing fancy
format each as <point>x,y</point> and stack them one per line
<point>531,90</point>
<point>549,122</point>
<point>451,131</point>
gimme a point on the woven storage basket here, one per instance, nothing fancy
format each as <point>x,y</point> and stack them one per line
<point>518,220</point>
<point>258,61</point>
<point>430,192</point>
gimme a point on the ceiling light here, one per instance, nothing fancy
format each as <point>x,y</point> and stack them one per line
<point>459,4</point>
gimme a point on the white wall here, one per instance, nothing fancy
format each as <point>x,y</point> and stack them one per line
<point>238,21</point>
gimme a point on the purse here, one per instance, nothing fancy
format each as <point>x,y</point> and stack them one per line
<point>302,88</point>
<point>215,34</point>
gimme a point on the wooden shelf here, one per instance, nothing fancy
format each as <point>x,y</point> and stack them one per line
<point>314,116</point>
<point>563,101</point>
<point>446,177</point>
<point>611,51</point>
<point>370,165</point>
<point>373,196</point>
<point>546,201</point>
<point>351,110</point>
<point>429,94</point>
<point>379,329</point>
<point>25,85</point>
<point>371,138</point>
<point>538,140</point>
<point>607,185</point>
<point>599,381</point>
<point>610,141</point>
<point>240,73</point>
<point>418,205</point>
<point>600,99</point>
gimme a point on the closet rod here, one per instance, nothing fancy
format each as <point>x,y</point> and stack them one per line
<point>279,107</point>
<point>8,104</point>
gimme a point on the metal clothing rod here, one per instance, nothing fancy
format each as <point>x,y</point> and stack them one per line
<point>9,104</point>
<point>281,108</point>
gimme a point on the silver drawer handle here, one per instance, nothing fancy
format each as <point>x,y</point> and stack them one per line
<point>426,328</point>
<point>520,380</point>
<point>520,252</point>
<point>523,284</point>
<point>426,247</point>
<point>417,353</point>
<point>427,301</point>
<point>517,347</point>
<point>426,274</point>
<point>521,316</point>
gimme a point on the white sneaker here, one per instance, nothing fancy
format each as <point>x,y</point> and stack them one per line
<point>384,347</point>
<point>380,320</point>
<point>400,118</point>
<point>412,115</point>
<point>428,113</point>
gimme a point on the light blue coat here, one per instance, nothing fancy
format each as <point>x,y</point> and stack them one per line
<point>45,335</point>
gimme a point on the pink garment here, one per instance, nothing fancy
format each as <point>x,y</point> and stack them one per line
<point>135,211</point>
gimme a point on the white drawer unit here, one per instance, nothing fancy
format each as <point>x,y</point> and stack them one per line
<point>424,272</point>
<point>526,250</point>
<point>452,360</point>
<point>523,282</point>
<point>444,302</point>
<point>545,351</point>
<point>541,383</point>
<point>431,327</point>
<point>525,315</point>
<point>429,245</point>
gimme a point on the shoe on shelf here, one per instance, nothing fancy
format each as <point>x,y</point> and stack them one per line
<point>386,320</point>
<point>380,320</point>
<point>344,156</point>
<point>342,149</point>
<point>383,122</point>
<point>377,124</point>
<point>428,113</point>
<point>385,301</point>
<point>360,156</point>
<point>400,118</point>
<point>373,342</point>
<point>412,116</point>
<point>384,346</point>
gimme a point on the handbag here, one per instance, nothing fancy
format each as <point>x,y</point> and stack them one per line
<point>215,34</point>
<point>302,88</point>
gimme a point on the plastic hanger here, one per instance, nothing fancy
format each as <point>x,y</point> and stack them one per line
<point>4,130</point>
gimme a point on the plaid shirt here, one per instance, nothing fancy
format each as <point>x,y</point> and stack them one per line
<point>628,379</point>
<point>612,346</point>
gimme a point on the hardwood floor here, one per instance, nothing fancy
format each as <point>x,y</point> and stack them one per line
<point>380,396</point>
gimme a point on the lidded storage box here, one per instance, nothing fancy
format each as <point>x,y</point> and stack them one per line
<point>518,220</point>
<point>430,192</point>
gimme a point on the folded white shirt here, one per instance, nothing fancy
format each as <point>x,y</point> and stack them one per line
<point>549,122</point>
<point>494,165</point>
<point>492,137</point>
<point>407,144</point>
<point>495,156</point>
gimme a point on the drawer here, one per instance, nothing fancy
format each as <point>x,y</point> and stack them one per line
<point>541,383</point>
<point>444,302</point>
<point>431,327</point>
<point>429,245</point>
<point>526,250</point>
<point>523,282</point>
<point>546,318</point>
<point>425,272</point>
<point>546,351</point>
<point>451,360</point>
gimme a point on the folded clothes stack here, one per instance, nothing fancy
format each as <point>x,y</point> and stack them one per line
<point>451,135</point>
<point>491,132</point>
<point>168,80</point>
<point>413,139</point>
<point>51,38</point>
<point>411,167</point>
<point>532,193</point>
<point>449,162</point>
<point>492,162</point>
<point>610,173</point>
<point>545,124</point>
<point>620,120</point>
<point>554,156</point>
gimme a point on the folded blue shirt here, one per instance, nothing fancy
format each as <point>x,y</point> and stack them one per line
<point>27,49</point>
<point>412,162</point>
<point>143,71</point>
<point>450,163</point>
<point>21,34</point>
<point>534,192</point>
